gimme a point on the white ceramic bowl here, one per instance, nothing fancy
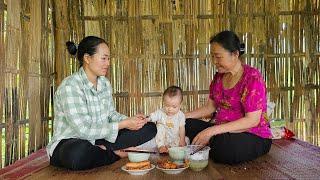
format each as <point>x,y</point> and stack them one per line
<point>172,171</point>
<point>138,157</point>
<point>137,172</point>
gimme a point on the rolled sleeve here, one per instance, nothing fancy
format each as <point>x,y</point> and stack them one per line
<point>112,129</point>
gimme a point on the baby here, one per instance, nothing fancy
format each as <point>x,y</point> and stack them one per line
<point>170,120</point>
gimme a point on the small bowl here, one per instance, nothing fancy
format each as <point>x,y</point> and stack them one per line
<point>138,157</point>
<point>177,154</point>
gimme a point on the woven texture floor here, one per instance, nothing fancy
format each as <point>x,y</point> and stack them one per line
<point>287,159</point>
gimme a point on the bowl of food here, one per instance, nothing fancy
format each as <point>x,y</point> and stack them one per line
<point>169,167</point>
<point>138,157</point>
<point>138,168</point>
<point>177,154</point>
<point>198,157</point>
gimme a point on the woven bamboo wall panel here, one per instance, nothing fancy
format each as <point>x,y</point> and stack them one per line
<point>155,44</point>
<point>26,83</point>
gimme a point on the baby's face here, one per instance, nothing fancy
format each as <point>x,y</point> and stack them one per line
<point>171,104</point>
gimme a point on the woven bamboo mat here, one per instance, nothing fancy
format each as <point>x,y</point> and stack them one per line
<point>287,159</point>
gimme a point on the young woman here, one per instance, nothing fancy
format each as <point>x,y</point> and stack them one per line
<point>88,131</point>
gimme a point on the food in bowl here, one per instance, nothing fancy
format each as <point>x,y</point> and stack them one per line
<point>139,168</point>
<point>169,167</point>
<point>166,164</point>
<point>138,157</point>
<point>198,165</point>
<point>198,160</point>
<point>138,165</point>
<point>177,154</point>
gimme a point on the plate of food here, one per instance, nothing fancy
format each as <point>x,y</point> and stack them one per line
<point>138,168</point>
<point>169,167</point>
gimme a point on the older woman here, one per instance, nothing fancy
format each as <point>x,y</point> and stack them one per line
<point>241,131</point>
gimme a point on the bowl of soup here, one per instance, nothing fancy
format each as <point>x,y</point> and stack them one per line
<point>198,157</point>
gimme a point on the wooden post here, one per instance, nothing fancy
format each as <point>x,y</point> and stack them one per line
<point>36,39</point>
<point>24,77</point>
<point>13,54</point>
<point>45,73</point>
<point>2,62</point>
<point>61,33</point>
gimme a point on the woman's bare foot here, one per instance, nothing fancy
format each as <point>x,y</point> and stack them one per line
<point>124,154</point>
<point>121,153</point>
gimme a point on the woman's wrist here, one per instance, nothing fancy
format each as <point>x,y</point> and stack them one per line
<point>187,115</point>
<point>215,130</point>
<point>122,124</point>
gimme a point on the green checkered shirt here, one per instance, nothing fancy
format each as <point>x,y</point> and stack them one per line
<point>81,111</point>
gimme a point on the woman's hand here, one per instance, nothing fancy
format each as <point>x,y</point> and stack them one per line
<point>133,123</point>
<point>204,136</point>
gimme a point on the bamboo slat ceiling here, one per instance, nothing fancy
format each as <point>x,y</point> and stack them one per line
<point>154,44</point>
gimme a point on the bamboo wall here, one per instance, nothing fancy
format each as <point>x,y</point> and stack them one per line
<point>26,77</point>
<point>154,44</point>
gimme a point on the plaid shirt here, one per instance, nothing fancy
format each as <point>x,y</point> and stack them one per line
<point>81,111</point>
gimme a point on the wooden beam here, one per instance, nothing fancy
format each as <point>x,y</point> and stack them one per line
<point>61,33</point>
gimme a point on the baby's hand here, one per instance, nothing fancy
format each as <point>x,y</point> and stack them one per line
<point>163,149</point>
<point>182,144</point>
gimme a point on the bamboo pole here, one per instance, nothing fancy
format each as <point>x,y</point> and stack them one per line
<point>44,72</point>
<point>37,39</point>
<point>61,33</point>
<point>12,59</point>
<point>2,63</point>
<point>23,83</point>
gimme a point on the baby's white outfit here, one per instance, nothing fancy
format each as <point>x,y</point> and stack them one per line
<point>168,129</point>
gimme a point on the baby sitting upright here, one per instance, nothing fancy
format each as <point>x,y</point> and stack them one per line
<point>170,120</point>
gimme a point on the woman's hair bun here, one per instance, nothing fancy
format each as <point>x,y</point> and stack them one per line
<point>242,48</point>
<point>72,47</point>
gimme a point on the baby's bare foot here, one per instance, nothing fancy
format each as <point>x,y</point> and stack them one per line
<point>102,147</point>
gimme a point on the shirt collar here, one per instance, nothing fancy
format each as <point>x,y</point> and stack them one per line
<point>88,84</point>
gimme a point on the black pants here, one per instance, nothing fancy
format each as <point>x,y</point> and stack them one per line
<point>79,154</point>
<point>230,148</point>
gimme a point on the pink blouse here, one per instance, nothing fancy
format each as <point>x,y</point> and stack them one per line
<point>248,95</point>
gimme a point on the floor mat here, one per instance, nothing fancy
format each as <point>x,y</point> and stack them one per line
<point>26,166</point>
<point>287,159</point>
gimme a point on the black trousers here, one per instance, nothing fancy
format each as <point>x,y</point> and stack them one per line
<point>79,154</point>
<point>230,148</point>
